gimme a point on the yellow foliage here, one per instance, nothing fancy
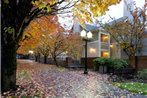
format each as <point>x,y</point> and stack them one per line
<point>87,9</point>
<point>34,32</point>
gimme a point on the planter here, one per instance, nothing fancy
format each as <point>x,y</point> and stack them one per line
<point>103,69</point>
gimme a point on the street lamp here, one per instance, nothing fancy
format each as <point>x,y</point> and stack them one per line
<point>85,37</point>
<point>31,53</point>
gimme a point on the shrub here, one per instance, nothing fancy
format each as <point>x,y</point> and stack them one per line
<point>111,63</point>
<point>119,64</point>
<point>101,62</point>
<point>142,74</point>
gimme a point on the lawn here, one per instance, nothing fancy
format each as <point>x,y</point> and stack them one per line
<point>134,87</point>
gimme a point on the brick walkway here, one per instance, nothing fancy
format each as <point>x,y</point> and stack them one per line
<point>53,82</point>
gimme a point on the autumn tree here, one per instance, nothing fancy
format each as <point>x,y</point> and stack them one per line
<point>43,48</point>
<point>56,45</point>
<point>74,42</point>
<point>86,10</point>
<point>33,33</point>
<point>16,16</point>
<point>128,33</point>
<point>38,41</point>
<point>37,54</point>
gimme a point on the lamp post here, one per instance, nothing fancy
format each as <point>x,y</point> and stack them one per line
<point>86,36</point>
<point>30,54</point>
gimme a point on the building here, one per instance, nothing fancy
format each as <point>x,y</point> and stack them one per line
<point>98,46</point>
<point>102,45</point>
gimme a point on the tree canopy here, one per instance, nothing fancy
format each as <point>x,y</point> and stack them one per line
<point>16,16</point>
<point>86,10</point>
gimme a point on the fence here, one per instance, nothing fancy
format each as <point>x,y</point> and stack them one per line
<point>141,62</point>
<point>90,63</point>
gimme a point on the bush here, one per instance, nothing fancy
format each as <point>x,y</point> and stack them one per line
<point>110,63</point>
<point>142,74</point>
<point>101,62</point>
<point>119,64</point>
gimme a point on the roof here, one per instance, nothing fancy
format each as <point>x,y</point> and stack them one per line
<point>117,20</point>
<point>89,27</point>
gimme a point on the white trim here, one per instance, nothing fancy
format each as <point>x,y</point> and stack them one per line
<point>106,43</point>
<point>104,50</point>
<point>93,42</point>
<point>99,45</point>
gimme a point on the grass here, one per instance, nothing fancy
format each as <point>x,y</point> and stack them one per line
<point>134,87</point>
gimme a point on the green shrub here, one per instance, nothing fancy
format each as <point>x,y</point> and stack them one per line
<point>101,62</point>
<point>142,74</point>
<point>119,64</point>
<point>111,63</point>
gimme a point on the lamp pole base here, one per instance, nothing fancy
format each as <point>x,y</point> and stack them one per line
<point>85,72</point>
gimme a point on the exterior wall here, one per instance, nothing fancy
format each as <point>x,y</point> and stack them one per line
<point>126,11</point>
<point>76,27</point>
<point>95,36</point>
<point>124,55</point>
<point>92,49</point>
<point>144,49</point>
<point>95,48</point>
<point>115,51</point>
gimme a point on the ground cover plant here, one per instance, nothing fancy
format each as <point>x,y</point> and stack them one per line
<point>134,87</point>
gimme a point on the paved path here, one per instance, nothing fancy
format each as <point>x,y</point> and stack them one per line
<point>53,82</point>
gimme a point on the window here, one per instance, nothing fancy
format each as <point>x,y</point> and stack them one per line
<point>104,38</point>
<point>105,54</point>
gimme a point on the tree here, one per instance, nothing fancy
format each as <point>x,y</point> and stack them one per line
<point>86,10</point>
<point>38,29</point>
<point>37,54</point>
<point>16,16</point>
<point>56,45</point>
<point>43,48</point>
<point>74,49</point>
<point>34,32</point>
<point>128,33</point>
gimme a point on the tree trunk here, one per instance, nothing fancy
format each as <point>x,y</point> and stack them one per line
<point>133,62</point>
<point>45,59</point>
<point>55,60</point>
<point>8,66</point>
<point>136,63</point>
<point>36,58</point>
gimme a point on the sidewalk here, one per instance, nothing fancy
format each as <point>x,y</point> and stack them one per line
<point>53,82</point>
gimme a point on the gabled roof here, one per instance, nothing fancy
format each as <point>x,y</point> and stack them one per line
<point>89,27</point>
<point>117,20</point>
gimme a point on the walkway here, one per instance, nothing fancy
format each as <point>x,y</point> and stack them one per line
<point>48,81</point>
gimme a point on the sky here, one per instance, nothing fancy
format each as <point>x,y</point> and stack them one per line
<point>66,20</point>
<point>114,11</point>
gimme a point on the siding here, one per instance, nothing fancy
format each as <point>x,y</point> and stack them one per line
<point>92,49</point>
<point>144,49</point>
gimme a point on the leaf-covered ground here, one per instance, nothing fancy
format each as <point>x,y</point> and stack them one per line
<point>37,80</point>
